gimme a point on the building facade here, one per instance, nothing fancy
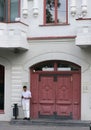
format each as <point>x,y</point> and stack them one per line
<point>46,45</point>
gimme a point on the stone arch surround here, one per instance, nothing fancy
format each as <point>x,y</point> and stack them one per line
<point>57,56</point>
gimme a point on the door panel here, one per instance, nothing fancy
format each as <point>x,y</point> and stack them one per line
<point>55,95</point>
<point>64,96</point>
<point>46,96</point>
<point>34,99</point>
<point>76,96</point>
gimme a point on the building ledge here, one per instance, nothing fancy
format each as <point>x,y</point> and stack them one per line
<point>50,38</point>
<point>83,38</point>
<point>83,19</point>
<point>13,35</point>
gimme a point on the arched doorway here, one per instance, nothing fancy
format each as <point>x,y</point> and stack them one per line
<point>55,87</point>
<point>1,88</point>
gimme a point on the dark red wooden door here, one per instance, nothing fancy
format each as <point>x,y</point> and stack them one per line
<point>76,95</point>
<point>64,96</point>
<point>46,96</point>
<point>58,94</point>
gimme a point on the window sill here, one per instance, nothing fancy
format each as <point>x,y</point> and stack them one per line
<point>1,111</point>
<point>15,22</point>
<point>54,25</point>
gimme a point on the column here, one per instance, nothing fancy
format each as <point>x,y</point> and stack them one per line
<point>73,7</point>
<point>25,8</point>
<point>84,7</point>
<point>35,8</point>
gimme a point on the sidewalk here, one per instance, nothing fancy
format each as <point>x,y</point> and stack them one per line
<point>7,126</point>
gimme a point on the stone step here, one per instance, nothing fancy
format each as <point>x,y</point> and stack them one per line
<point>51,122</point>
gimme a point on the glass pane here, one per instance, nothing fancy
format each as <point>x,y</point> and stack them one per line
<point>14,9</point>
<point>46,66</point>
<point>50,11</point>
<point>61,9</point>
<point>67,66</point>
<point>6,10</point>
<point>2,4</point>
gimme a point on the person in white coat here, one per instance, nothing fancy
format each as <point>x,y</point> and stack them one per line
<point>26,95</point>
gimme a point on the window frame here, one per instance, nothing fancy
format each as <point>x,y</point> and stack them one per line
<point>2,82</point>
<point>55,14</point>
<point>8,15</point>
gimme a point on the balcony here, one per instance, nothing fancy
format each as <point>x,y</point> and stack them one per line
<point>13,36</point>
<point>83,38</point>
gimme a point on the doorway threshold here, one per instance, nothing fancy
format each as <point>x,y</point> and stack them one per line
<point>51,122</point>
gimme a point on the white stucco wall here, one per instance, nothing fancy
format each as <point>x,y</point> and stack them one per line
<point>17,72</point>
<point>49,50</point>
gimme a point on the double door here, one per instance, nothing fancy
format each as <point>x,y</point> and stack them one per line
<point>57,96</point>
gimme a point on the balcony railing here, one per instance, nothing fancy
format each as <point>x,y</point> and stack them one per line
<point>13,35</point>
<point>83,38</point>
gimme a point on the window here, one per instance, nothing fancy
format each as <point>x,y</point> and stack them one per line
<point>9,10</point>
<point>44,66</point>
<point>55,11</point>
<point>56,66</point>
<point>2,75</point>
<point>2,3</point>
<point>14,9</point>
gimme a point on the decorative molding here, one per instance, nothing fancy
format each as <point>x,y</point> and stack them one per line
<point>75,11</point>
<point>83,19</point>
<point>35,8</point>
<point>73,8</point>
<point>84,10</point>
<point>25,8</point>
<point>51,37</point>
<point>58,56</point>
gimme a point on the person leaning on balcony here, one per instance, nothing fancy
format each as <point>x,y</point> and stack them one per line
<point>26,95</point>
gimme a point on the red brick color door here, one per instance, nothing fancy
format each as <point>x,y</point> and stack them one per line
<point>46,96</point>
<point>55,94</point>
<point>64,96</point>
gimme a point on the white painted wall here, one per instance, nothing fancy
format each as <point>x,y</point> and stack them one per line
<point>17,65</point>
<point>49,50</point>
<point>35,22</point>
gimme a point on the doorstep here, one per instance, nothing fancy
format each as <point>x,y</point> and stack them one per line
<point>51,122</point>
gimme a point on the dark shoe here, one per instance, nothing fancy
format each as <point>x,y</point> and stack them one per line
<point>24,118</point>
